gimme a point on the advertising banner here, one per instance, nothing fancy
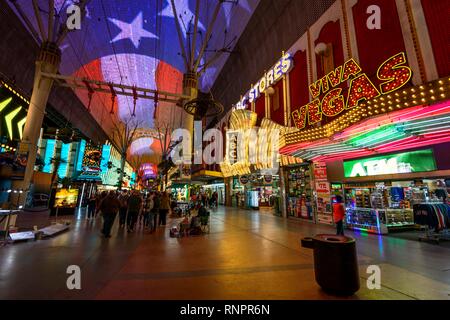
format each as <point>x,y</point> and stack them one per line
<point>323,192</point>
<point>320,170</point>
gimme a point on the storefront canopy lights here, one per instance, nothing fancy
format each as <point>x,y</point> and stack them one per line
<point>419,131</point>
<point>374,108</point>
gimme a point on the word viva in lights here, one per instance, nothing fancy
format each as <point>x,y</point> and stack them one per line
<point>328,100</point>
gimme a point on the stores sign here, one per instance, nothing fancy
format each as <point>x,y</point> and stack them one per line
<point>408,162</point>
<point>329,100</point>
<point>270,77</point>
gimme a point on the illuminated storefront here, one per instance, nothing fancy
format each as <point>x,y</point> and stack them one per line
<point>252,160</point>
<point>372,124</point>
<point>367,112</point>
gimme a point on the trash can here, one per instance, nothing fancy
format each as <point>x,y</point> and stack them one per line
<point>335,263</point>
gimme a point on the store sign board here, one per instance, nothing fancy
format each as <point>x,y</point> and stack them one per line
<point>232,138</point>
<point>283,66</point>
<point>329,101</point>
<point>407,162</point>
<point>322,187</point>
<point>336,186</point>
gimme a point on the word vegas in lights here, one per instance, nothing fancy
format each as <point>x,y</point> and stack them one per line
<point>329,100</point>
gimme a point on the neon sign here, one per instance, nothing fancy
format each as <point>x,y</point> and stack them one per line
<point>328,99</point>
<point>271,77</point>
<point>12,113</point>
<point>407,162</point>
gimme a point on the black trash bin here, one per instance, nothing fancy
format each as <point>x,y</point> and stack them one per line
<point>335,263</point>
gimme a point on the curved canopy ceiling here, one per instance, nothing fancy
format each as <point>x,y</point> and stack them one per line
<point>136,43</point>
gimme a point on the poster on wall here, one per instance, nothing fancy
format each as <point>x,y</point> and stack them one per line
<point>320,170</point>
<point>324,214</point>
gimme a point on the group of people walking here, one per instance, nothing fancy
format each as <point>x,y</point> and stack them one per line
<point>133,209</point>
<point>205,199</point>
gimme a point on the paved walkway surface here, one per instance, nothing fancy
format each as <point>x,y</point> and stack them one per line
<point>247,255</point>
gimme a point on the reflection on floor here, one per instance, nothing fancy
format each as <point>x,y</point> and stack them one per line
<point>247,255</point>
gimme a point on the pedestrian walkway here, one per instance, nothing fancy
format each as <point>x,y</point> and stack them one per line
<point>247,255</point>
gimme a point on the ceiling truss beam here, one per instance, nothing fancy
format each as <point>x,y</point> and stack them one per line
<point>120,89</point>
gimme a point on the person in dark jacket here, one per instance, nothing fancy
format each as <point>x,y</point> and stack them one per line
<point>92,206</point>
<point>109,207</point>
<point>123,198</point>
<point>134,208</point>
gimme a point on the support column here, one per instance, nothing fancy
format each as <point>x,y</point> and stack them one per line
<point>283,206</point>
<point>228,200</point>
<point>48,61</point>
<point>190,88</point>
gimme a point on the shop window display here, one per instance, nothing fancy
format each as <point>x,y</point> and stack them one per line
<point>385,207</point>
<point>258,191</point>
<point>300,204</point>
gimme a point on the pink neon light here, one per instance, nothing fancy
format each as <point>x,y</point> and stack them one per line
<point>341,156</point>
<point>394,117</point>
<point>407,143</point>
<point>436,109</point>
<point>398,142</point>
<point>412,113</point>
<point>421,144</point>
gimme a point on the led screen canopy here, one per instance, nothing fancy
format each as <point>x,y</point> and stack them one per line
<point>136,43</point>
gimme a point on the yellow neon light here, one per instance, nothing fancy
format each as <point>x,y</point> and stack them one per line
<point>9,117</point>
<point>20,125</point>
<point>4,103</point>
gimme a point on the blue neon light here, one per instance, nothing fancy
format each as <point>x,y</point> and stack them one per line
<point>62,170</point>
<point>106,152</point>
<point>81,149</point>
<point>49,150</point>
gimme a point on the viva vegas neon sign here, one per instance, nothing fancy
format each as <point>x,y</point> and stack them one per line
<point>271,77</point>
<point>329,101</point>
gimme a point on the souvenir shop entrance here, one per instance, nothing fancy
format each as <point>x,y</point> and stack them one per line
<point>385,203</point>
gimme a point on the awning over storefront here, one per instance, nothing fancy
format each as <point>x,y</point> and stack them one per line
<point>411,127</point>
<point>206,176</point>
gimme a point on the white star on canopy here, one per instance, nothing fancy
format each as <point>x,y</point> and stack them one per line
<point>182,7</point>
<point>133,31</point>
